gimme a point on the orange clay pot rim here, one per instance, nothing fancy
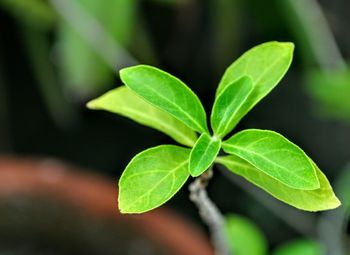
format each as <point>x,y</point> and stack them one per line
<point>97,196</point>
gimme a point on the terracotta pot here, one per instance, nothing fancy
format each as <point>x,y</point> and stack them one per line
<point>94,197</point>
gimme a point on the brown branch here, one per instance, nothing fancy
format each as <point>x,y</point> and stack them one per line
<point>209,212</point>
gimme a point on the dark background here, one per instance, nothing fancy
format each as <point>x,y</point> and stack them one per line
<point>196,44</point>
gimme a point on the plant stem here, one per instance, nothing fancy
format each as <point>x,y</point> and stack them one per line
<point>209,212</point>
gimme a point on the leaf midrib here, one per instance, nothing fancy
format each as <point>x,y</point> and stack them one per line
<point>207,148</point>
<point>171,172</point>
<point>165,124</point>
<point>178,107</point>
<point>273,64</point>
<point>233,114</point>
<point>267,159</point>
<point>307,206</point>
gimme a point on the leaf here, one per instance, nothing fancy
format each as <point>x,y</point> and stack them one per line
<point>300,247</point>
<point>35,13</point>
<point>152,178</point>
<point>274,155</point>
<point>265,64</point>
<point>244,237</point>
<point>203,154</point>
<point>83,68</point>
<point>319,199</point>
<point>167,93</point>
<point>331,92</point>
<point>126,103</point>
<point>227,105</point>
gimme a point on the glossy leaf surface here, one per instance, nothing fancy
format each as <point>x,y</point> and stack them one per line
<point>203,154</point>
<point>265,64</point>
<point>319,199</point>
<point>126,103</point>
<point>166,92</point>
<point>227,105</point>
<point>274,155</point>
<point>152,178</point>
<point>244,237</point>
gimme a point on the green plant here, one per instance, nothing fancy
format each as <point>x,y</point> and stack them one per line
<point>246,238</point>
<point>267,159</point>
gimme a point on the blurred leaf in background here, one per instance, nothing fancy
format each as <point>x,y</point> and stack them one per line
<point>225,23</point>
<point>300,247</point>
<point>36,18</point>
<point>332,226</point>
<point>35,13</point>
<point>84,70</point>
<point>331,90</point>
<point>244,237</point>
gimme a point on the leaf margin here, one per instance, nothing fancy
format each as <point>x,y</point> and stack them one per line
<point>201,124</point>
<point>245,79</point>
<point>178,131</point>
<point>128,210</point>
<point>315,186</point>
<point>332,205</point>
<point>212,140</point>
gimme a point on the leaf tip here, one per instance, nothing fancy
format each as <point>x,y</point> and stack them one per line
<point>336,203</point>
<point>126,70</point>
<point>92,104</point>
<point>123,210</point>
<point>194,173</point>
<point>123,207</point>
<point>192,169</point>
<point>289,45</point>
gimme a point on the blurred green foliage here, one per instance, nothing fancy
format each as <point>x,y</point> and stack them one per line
<point>300,247</point>
<point>65,64</point>
<point>35,13</point>
<point>331,91</point>
<point>244,237</point>
<point>83,69</point>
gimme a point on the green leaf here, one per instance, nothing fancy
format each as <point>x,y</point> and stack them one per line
<point>244,237</point>
<point>227,105</point>
<point>36,13</point>
<point>82,66</point>
<point>274,155</point>
<point>126,103</point>
<point>265,64</point>
<point>152,178</point>
<point>166,92</point>
<point>82,70</point>
<point>319,199</point>
<point>203,154</point>
<point>300,247</point>
<point>331,92</point>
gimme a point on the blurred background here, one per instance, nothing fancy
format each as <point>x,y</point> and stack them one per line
<point>55,55</point>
